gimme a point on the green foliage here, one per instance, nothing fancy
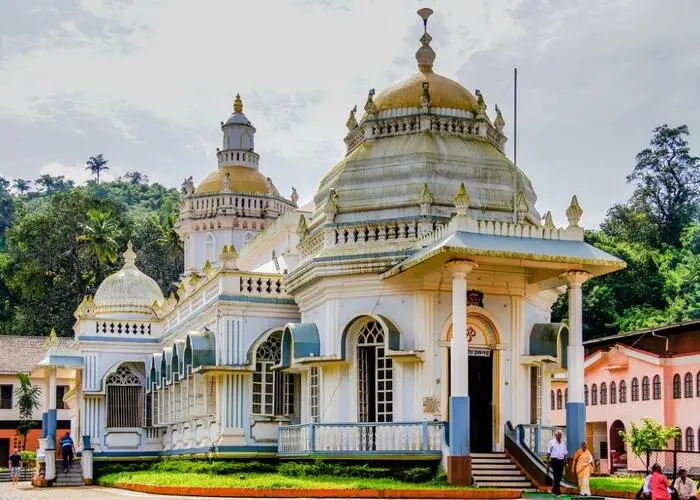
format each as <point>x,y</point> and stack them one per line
<point>27,400</point>
<point>650,436</point>
<point>100,235</point>
<point>28,458</point>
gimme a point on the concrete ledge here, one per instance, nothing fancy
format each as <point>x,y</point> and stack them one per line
<point>453,494</point>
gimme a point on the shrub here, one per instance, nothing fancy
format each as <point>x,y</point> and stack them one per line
<point>416,475</point>
<point>28,458</point>
<point>321,468</point>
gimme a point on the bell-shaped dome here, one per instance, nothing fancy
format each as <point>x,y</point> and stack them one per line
<point>128,289</point>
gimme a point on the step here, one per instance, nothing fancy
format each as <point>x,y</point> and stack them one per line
<point>489,466</point>
<point>497,454</point>
<point>500,484</point>
<point>498,473</point>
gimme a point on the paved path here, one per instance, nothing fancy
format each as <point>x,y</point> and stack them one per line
<point>25,491</point>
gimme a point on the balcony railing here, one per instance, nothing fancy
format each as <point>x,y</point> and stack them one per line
<point>375,439</point>
<point>537,437</point>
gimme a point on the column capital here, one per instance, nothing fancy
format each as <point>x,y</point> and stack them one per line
<point>575,278</point>
<point>460,268</point>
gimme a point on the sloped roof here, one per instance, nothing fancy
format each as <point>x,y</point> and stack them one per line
<point>20,354</point>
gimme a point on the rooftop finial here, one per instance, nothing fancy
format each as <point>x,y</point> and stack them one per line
<point>425,55</point>
<point>129,255</point>
<point>238,104</point>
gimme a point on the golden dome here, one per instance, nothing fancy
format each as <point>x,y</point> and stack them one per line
<point>243,180</point>
<point>444,93</point>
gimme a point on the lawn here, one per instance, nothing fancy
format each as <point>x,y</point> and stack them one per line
<point>617,483</point>
<point>260,480</point>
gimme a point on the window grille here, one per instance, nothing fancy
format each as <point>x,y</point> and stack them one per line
<point>657,387</point>
<point>635,389</point>
<point>623,391</point>
<point>645,389</point>
<point>697,388</point>
<point>559,399</point>
<point>539,407</point>
<point>124,399</point>
<point>603,394</point>
<point>678,440</point>
<point>689,439</point>
<point>688,386</point>
<point>375,376</point>
<point>273,391</point>
<point>585,394</point>
<point>676,386</point>
<point>594,395</point>
<point>314,399</point>
<point>551,396</point>
<point>6,396</point>
<point>613,393</point>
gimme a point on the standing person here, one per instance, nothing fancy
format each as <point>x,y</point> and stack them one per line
<point>557,453</point>
<point>67,450</point>
<point>685,486</point>
<point>15,462</point>
<point>659,484</point>
<point>583,466</point>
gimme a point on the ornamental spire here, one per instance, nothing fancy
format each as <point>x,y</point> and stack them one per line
<point>574,212</point>
<point>238,104</point>
<point>462,200</point>
<point>425,55</point>
<point>129,255</point>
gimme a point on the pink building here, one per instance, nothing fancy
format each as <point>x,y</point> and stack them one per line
<point>652,373</point>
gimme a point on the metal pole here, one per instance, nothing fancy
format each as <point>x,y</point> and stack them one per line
<point>515,116</point>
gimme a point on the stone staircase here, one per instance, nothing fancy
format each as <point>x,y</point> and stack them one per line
<point>496,470</point>
<point>74,476</point>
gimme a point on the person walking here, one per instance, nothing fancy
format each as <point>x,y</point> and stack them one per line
<point>557,454</point>
<point>659,484</point>
<point>583,466</point>
<point>15,463</point>
<point>67,450</point>
<point>686,488</point>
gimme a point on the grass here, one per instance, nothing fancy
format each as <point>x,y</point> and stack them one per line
<point>260,480</point>
<point>618,483</point>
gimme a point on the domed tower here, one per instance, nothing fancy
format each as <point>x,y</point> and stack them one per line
<point>231,204</point>
<point>414,145</point>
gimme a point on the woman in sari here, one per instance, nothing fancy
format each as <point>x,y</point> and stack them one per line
<point>583,465</point>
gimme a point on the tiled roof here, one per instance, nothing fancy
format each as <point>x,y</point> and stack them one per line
<point>20,353</point>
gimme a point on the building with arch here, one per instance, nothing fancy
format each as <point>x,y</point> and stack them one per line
<point>405,315</point>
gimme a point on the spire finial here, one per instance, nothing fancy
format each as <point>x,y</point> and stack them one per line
<point>425,55</point>
<point>238,104</point>
<point>129,255</point>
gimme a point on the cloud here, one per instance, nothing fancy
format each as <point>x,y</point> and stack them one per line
<point>76,173</point>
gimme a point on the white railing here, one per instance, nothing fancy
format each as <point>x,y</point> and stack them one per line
<point>361,438</point>
<point>537,437</point>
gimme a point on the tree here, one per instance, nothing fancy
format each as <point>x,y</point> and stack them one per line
<point>96,165</point>
<point>667,183</point>
<point>136,178</point>
<point>22,186</point>
<point>650,436</point>
<point>100,235</point>
<point>27,399</point>
<point>50,184</point>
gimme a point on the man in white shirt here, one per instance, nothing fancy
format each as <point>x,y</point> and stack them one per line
<point>557,454</point>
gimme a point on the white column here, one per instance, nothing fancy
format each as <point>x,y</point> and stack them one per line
<point>459,350</point>
<point>52,389</point>
<point>575,349</point>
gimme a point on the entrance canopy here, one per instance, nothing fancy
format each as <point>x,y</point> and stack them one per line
<point>547,258</point>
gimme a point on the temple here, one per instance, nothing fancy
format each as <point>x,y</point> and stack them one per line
<point>404,315</point>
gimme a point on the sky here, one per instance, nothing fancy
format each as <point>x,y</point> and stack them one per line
<point>147,82</point>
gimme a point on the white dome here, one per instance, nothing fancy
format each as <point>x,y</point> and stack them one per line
<point>128,288</point>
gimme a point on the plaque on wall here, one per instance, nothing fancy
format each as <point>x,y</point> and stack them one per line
<point>431,404</point>
<point>475,298</point>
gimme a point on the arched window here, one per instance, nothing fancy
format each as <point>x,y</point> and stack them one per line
<point>552,397</point>
<point>559,399</point>
<point>688,386</point>
<point>697,389</point>
<point>635,389</point>
<point>603,393</point>
<point>645,389</point>
<point>585,394</point>
<point>314,393</point>
<point>209,248</point>
<point>676,386</point>
<point>689,439</point>
<point>594,395</point>
<point>273,390</point>
<point>374,376</point>
<point>124,399</point>
<point>566,396</point>
<point>656,387</point>
<point>613,392</point>
<point>623,391</point>
<point>678,440</point>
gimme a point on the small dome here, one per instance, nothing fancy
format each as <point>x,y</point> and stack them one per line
<point>444,93</point>
<point>128,287</point>
<point>237,119</point>
<point>243,180</point>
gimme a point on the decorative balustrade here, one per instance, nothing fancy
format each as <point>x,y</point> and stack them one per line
<point>123,328</point>
<point>367,233</point>
<point>537,437</point>
<point>361,438</point>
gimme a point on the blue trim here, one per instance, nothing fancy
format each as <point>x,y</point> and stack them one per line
<point>51,426</point>
<point>393,341</point>
<point>258,300</point>
<point>575,425</point>
<point>300,340</point>
<point>63,361</point>
<point>405,253</point>
<point>87,443</point>
<point>418,218</point>
<point>139,340</point>
<point>459,426</point>
<point>44,424</point>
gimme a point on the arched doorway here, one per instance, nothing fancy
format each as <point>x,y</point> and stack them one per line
<point>374,375</point>
<point>618,451</point>
<point>483,380</point>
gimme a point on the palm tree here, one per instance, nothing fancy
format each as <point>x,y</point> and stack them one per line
<point>136,177</point>
<point>22,186</point>
<point>100,235</point>
<point>169,240</point>
<point>27,397</point>
<point>97,164</point>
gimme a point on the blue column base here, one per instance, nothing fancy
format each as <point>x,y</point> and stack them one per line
<point>51,425</point>
<point>575,426</point>
<point>459,426</point>
<point>44,424</point>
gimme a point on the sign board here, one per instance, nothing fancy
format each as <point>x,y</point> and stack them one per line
<point>431,404</point>
<point>483,352</point>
